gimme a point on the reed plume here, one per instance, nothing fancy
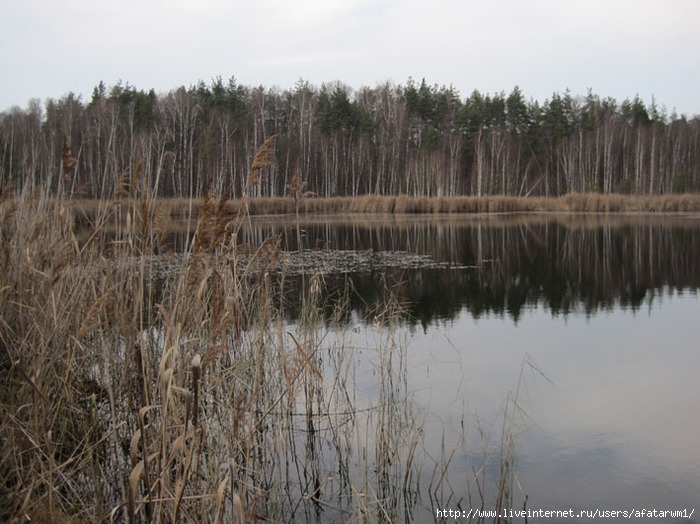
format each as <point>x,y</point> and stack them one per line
<point>68,161</point>
<point>265,157</point>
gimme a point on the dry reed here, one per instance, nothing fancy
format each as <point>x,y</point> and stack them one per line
<point>305,202</point>
<point>131,396</point>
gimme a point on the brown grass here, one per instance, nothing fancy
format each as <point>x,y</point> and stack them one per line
<point>185,400</point>
<point>305,203</point>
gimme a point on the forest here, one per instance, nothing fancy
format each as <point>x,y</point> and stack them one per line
<point>414,139</point>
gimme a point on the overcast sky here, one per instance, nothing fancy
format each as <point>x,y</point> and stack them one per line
<point>617,48</point>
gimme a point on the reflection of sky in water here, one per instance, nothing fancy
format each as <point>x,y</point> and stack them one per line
<point>618,426</point>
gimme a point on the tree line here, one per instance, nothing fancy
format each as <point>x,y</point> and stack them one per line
<point>412,139</point>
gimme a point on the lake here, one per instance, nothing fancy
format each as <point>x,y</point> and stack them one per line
<point>538,361</point>
<point>572,340</point>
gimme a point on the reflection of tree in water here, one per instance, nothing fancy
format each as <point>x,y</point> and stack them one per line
<point>504,269</point>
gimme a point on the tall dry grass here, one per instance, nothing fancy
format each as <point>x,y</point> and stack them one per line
<point>132,396</point>
<point>189,400</point>
<point>304,202</point>
<point>146,387</point>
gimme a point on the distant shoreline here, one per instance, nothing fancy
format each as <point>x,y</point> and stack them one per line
<point>366,204</point>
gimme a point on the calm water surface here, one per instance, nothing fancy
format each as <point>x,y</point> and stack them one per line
<point>616,424</point>
<point>588,325</point>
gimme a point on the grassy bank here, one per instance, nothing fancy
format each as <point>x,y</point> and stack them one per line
<point>576,203</point>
